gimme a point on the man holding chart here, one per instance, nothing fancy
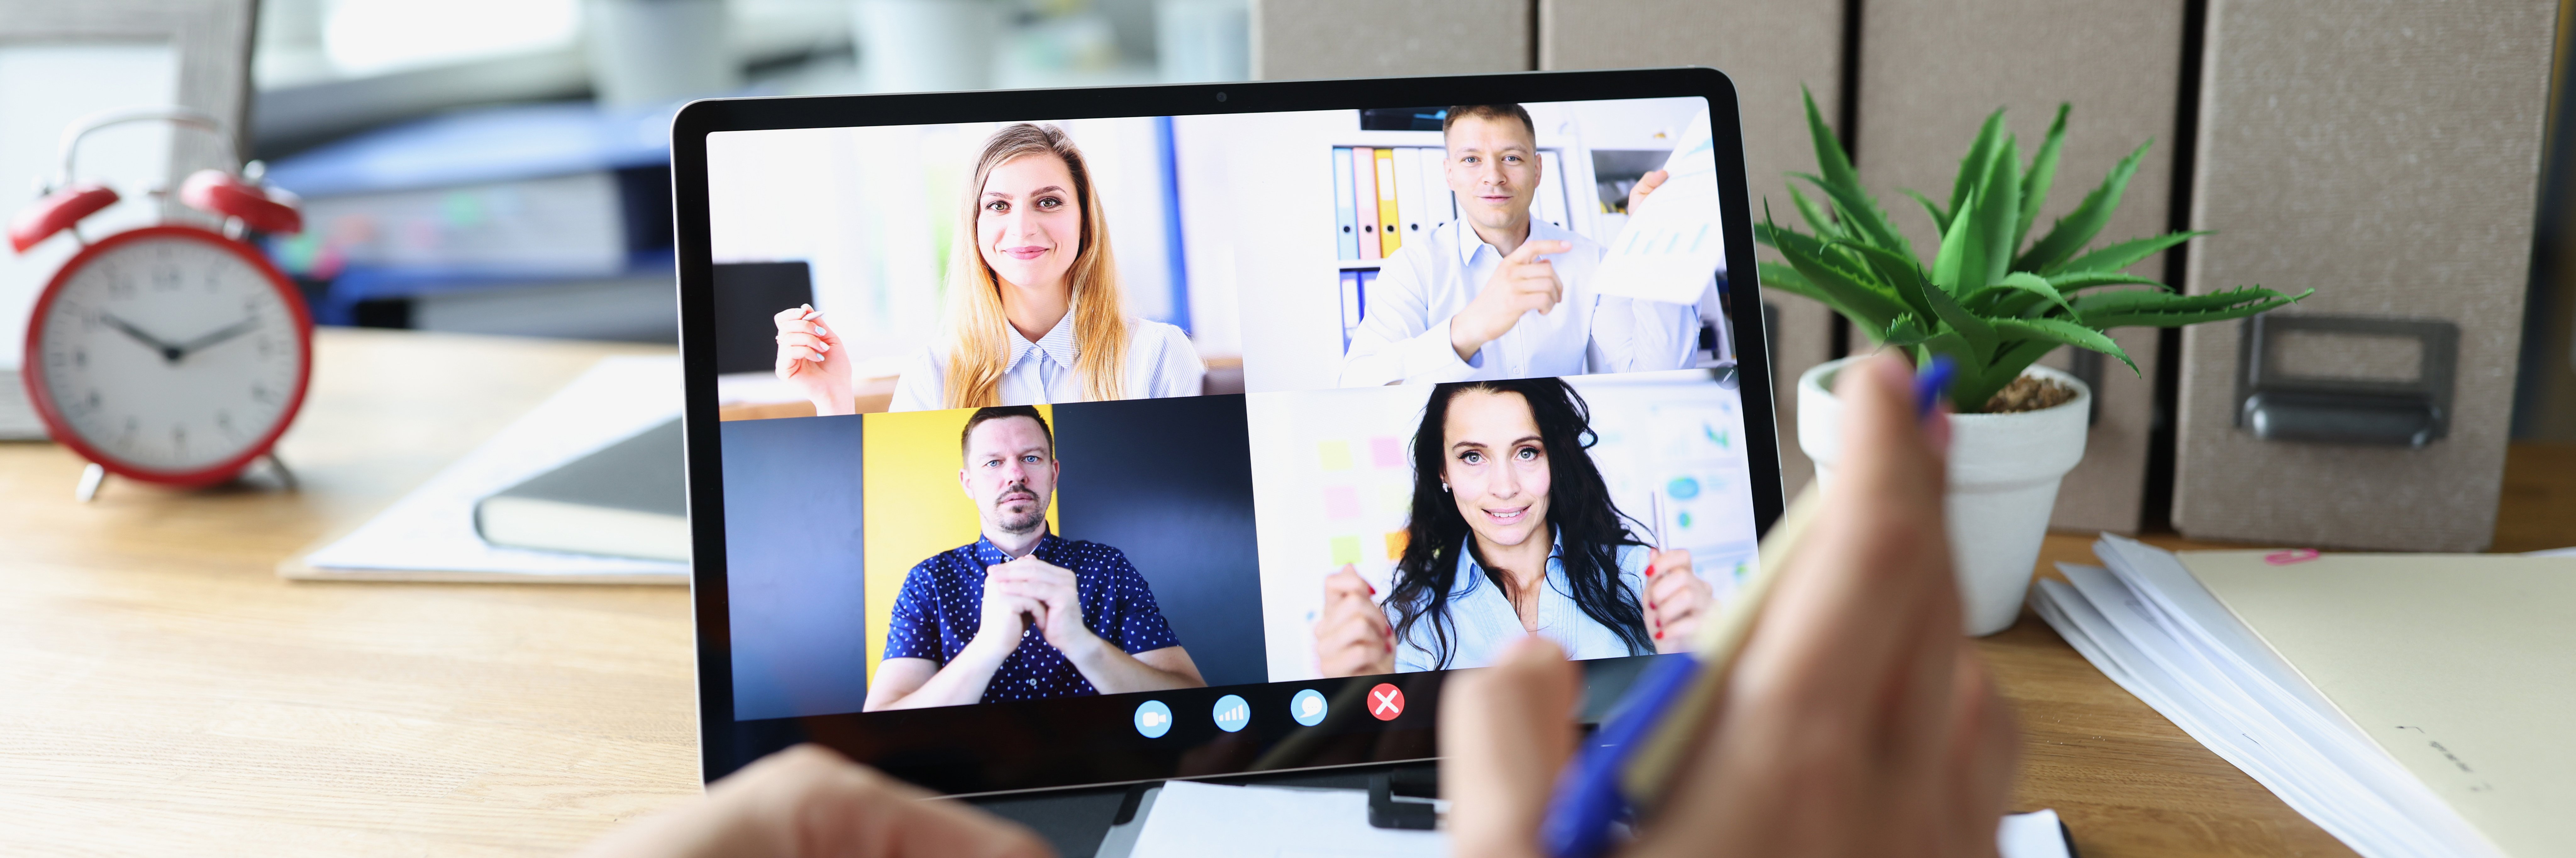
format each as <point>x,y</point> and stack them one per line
<point>1497,294</point>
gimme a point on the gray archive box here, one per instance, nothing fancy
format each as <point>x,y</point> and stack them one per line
<point>1769,48</point>
<point>2119,62</point>
<point>2387,155</point>
<point>1365,38</point>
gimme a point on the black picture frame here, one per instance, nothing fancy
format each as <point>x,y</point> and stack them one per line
<point>1088,741</point>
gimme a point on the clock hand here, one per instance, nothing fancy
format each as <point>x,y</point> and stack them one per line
<point>169,353</point>
<point>227,332</point>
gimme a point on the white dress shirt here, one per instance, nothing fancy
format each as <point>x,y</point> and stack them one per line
<point>1482,620</point>
<point>1160,362</point>
<point>1404,334</point>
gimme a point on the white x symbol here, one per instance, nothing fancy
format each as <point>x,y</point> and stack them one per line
<point>1386,701</point>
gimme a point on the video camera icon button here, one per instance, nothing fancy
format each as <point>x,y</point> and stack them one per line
<point>1153,719</point>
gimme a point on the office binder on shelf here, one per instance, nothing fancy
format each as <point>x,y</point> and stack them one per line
<point>1389,222</point>
<point>1550,205</point>
<point>1364,197</point>
<point>1351,305</point>
<point>1437,206</point>
<point>1408,192</point>
<point>1350,236</point>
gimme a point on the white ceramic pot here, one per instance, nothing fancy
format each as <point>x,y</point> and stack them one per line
<point>2004,472</point>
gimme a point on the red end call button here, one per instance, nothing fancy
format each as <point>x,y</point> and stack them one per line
<point>1386,701</point>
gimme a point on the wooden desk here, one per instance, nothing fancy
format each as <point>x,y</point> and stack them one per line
<point>162,691</point>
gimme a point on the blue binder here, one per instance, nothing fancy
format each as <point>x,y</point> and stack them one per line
<point>1349,238</point>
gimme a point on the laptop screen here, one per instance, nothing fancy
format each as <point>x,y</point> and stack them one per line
<point>1113,448</point>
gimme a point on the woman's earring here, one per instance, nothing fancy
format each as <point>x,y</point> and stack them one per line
<point>1444,488</point>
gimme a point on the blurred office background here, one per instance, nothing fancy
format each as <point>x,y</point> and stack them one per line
<point>499,166</point>
<point>436,142</point>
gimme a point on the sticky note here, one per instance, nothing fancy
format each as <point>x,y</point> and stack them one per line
<point>1386,452</point>
<point>1395,497</point>
<point>1395,542</point>
<point>1336,454</point>
<point>1341,502</point>
<point>1346,550</point>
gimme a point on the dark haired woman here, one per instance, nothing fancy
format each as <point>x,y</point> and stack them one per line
<point>1512,534</point>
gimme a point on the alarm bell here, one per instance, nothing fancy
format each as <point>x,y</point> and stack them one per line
<point>225,194</point>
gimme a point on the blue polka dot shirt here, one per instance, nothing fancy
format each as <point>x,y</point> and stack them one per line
<point>941,607</point>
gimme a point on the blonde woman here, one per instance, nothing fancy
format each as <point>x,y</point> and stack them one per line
<point>1035,315</point>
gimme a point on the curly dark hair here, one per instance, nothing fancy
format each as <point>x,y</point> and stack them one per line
<point>1588,526</point>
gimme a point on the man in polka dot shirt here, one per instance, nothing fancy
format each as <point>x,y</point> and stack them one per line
<point>1022,614</point>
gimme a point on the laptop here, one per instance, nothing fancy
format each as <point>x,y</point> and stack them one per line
<point>1138,433</point>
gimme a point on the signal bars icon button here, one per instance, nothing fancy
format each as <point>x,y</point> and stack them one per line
<point>1232,713</point>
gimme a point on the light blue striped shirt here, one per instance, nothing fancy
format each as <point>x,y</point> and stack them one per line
<point>1482,621</point>
<point>1160,362</point>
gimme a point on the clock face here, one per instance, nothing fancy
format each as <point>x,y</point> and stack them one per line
<point>169,353</point>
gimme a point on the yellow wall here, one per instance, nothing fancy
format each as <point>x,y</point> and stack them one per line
<point>914,507</point>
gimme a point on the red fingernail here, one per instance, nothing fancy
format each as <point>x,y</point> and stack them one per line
<point>1372,589</point>
<point>1659,634</point>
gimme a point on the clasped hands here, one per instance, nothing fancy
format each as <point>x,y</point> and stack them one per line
<point>1353,637</point>
<point>1032,593</point>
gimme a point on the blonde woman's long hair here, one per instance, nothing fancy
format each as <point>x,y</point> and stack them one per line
<point>977,347</point>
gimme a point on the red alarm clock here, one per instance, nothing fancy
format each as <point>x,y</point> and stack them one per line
<point>174,353</point>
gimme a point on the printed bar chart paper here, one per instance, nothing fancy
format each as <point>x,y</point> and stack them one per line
<point>1673,242</point>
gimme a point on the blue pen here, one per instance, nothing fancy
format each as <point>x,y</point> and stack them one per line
<point>1630,757</point>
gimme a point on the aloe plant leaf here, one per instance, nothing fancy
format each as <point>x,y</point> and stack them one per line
<point>2035,285</point>
<point>1831,160</point>
<point>2002,198</point>
<point>1940,219</point>
<point>1970,251</point>
<point>1854,292</point>
<point>1971,396</point>
<point>1960,251</point>
<point>1816,218</point>
<point>2071,281</point>
<point>1901,272</point>
<point>1975,333</point>
<point>2043,172</point>
<point>2143,308</point>
<point>1907,331</point>
<point>2063,332</point>
<point>1781,277</point>
<point>1861,216</point>
<point>2078,227</point>
<point>2127,253</point>
<point>1973,168</point>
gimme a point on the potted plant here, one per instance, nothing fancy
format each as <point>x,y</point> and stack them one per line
<point>1993,305</point>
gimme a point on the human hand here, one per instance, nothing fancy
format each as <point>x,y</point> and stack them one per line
<point>808,358</point>
<point>1646,184</point>
<point>1857,720</point>
<point>1352,637</point>
<point>1006,618</point>
<point>1057,593</point>
<point>1522,284</point>
<point>1674,600</point>
<point>808,801</point>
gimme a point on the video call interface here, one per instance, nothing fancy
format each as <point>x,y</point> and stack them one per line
<point>1025,411</point>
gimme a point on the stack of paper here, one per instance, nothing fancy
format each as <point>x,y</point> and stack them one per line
<point>2336,682</point>
<point>1183,819</point>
